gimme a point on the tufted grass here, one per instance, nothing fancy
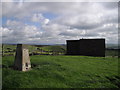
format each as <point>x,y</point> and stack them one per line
<point>63,72</point>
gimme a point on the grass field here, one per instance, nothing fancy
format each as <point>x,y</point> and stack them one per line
<point>9,50</point>
<point>63,72</point>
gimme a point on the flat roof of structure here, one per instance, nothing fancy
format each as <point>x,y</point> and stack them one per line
<point>88,39</point>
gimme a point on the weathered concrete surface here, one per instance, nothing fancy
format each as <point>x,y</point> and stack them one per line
<point>87,47</point>
<point>22,59</point>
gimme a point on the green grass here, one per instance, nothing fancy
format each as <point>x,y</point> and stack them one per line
<point>9,50</point>
<point>54,48</point>
<point>63,72</point>
<point>7,47</point>
<point>111,52</point>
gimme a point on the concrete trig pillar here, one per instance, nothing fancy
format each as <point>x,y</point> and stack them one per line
<point>22,59</point>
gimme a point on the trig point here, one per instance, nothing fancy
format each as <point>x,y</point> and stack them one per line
<point>22,59</point>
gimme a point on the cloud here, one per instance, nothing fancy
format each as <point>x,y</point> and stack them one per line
<point>39,18</point>
<point>110,5</point>
<point>73,32</point>
<point>74,20</point>
<point>19,33</point>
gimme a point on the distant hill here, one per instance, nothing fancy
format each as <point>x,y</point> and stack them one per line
<point>54,48</point>
<point>111,46</point>
<point>8,49</point>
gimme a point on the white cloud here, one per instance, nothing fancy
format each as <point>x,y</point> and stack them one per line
<point>18,32</point>
<point>46,21</point>
<point>5,32</point>
<point>73,21</point>
<point>39,18</point>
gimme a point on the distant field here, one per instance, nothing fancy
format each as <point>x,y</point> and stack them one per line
<point>111,52</point>
<point>63,72</point>
<point>54,50</point>
<point>9,50</point>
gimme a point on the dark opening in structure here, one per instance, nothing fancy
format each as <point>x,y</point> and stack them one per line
<point>26,64</point>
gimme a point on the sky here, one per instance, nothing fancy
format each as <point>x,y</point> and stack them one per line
<point>56,22</point>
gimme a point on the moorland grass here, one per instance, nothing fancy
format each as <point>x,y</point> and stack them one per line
<point>63,72</point>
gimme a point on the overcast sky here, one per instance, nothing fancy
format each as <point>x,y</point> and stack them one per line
<point>56,22</point>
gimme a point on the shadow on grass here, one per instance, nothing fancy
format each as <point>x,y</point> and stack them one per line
<point>114,80</point>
